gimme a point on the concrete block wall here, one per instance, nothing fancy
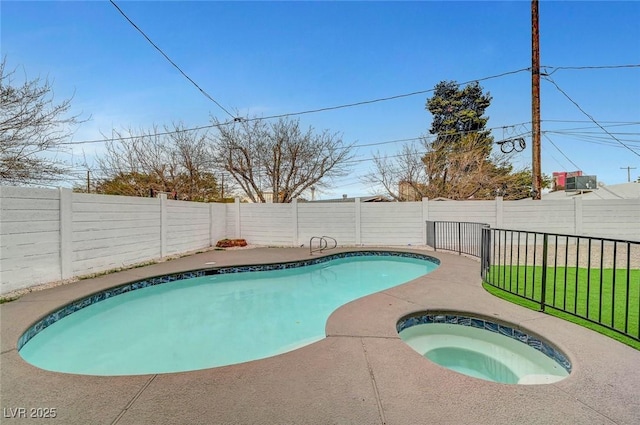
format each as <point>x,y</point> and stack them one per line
<point>29,237</point>
<point>53,234</point>
<point>217,222</point>
<point>187,227</point>
<point>391,223</point>
<point>488,212</point>
<point>618,218</point>
<point>357,223</point>
<point>47,235</point>
<point>552,216</point>
<point>268,224</point>
<point>108,232</point>
<point>337,220</point>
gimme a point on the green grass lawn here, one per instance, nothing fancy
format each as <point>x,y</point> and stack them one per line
<point>612,300</point>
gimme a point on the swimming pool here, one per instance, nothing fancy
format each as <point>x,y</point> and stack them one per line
<point>210,318</point>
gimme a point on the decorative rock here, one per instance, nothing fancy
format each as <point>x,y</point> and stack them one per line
<point>230,243</point>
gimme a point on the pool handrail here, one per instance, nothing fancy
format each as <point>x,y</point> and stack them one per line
<point>323,244</point>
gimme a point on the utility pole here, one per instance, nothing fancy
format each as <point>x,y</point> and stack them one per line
<point>88,183</point>
<point>535,102</point>
<point>628,172</point>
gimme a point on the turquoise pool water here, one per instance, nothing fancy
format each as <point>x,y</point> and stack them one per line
<point>212,320</point>
<point>484,354</point>
<point>472,363</point>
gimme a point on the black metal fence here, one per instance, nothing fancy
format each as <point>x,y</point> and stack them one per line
<point>594,279</point>
<point>460,237</point>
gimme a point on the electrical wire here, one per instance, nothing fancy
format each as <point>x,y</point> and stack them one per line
<point>588,133</point>
<point>594,139</point>
<point>559,68</point>
<point>596,136</point>
<point>576,129</point>
<point>78,174</point>
<point>433,137</point>
<point>291,114</point>
<point>170,61</point>
<point>101,171</point>
<point>587,115</point>
<point>584,121</point>
<point>206,127</point>
<point>559,150</point>
<point>330,108</point>
<point>564,132</point>
<point>554,158</point>
<point>384,99</point>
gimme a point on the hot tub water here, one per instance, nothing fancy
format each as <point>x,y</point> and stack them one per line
<point>483,354</point>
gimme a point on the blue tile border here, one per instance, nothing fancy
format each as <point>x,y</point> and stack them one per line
<point>76,305</point>
<point>504,329</point>
<point>318,260</point>
<point>81,303</point>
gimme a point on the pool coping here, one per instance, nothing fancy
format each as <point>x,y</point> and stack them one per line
<point>361,373</point>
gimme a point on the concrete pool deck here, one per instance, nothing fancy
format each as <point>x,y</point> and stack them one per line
<point>362,373</point>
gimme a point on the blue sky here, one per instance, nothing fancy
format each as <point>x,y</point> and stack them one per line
<point>271,58</point>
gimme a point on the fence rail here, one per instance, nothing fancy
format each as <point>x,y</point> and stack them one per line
<point>460,237</point>
<point>593,279</point>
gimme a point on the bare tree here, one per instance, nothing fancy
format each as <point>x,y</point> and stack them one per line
<point>32,128</point>
<point>279,157</point>
<point>461,172</point>
<point>401,176</point>
<point>174,160</point>
<point>464,173</point>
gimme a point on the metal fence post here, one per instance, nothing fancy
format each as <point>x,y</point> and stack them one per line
<point>483,253</point>
<point>486,245</point>
<point>431,234</point>
<point>543,295</point>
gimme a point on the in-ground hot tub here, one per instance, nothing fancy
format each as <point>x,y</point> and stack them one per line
<point>484,349</point>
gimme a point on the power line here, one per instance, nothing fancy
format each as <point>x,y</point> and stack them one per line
<point>595,136</point>
<point>558,68</point>
<point>606,122</point>
<point>628,172</point>
<point>384,99</point>
<point>206,127</point>
<point>349,105</point>
<point>170,61</point>
<point>592,127</point>
<point>290,114</point>
<point>576,131</point>
<point>558,149</point>
<point>426,138</point>
<point>554,158</point>
<point>72,176</point>
<point>413,139</point>
<point>587,115</point>
<point>161,133</point>
<point>433,137</point>
<point>597,140</point>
